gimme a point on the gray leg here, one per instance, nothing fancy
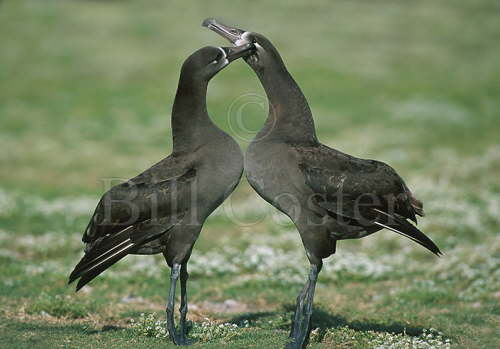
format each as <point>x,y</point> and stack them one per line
<point>174,275</point>
<point>303,311</point>
<point>184,303</point>
<point>299,305</point>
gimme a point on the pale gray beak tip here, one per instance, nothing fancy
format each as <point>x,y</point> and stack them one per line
<point>208,22</point>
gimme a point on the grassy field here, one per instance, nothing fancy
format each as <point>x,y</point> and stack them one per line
<point>86,89</point>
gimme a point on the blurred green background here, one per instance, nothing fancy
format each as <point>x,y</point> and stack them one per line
<point>86,89</point>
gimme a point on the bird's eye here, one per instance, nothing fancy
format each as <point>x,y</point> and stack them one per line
<point>217,59</point>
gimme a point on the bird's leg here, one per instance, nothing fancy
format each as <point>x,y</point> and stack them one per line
<point>174,275</point>
<point>303,311</point>
<point>300,305</point>
<point>184,303</point>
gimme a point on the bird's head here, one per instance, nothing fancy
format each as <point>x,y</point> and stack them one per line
<point>204,63</point>
<point>265,54</point>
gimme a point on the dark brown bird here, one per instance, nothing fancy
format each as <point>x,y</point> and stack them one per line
<point>329,195</point>
<point>163,209</point>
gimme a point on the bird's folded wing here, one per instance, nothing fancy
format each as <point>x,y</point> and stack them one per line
<point>131,203</point>
<point>348,186</point>
<point>113,248</point>
<point>364,193</point>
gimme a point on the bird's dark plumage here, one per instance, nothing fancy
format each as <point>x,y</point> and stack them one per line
<point>163,209</point>
<point>366,195</point>
<point>329,195</point>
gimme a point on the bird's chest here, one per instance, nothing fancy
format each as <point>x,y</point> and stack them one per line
<point>272,171</point>
<point>219,175</point>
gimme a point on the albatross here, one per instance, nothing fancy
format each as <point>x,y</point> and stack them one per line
<point>329,195</point>
<point>162,210</point>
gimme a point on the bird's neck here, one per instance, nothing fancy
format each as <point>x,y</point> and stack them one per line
<point>191,125</point>
<point>290,118</point>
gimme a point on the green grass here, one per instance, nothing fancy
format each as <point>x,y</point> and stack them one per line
<point>86,89</point>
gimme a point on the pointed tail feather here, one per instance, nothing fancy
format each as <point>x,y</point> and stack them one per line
<point>100,266</point>
<point>87,263</point>
<point>102,244</point>
<point>403,227</point>
<point>100,250</point>
<point>112,249</point>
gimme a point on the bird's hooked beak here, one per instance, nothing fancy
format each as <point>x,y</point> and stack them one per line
<point>233,34</point>
<point>236,52</point>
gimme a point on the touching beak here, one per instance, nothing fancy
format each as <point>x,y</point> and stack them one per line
<point>236,52</point>
<point>230,33</point>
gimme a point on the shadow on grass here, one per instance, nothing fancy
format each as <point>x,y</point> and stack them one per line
<point>106,328</point>
<point>64,328</point>
<point>324,320</point>
<point>251,317</point>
